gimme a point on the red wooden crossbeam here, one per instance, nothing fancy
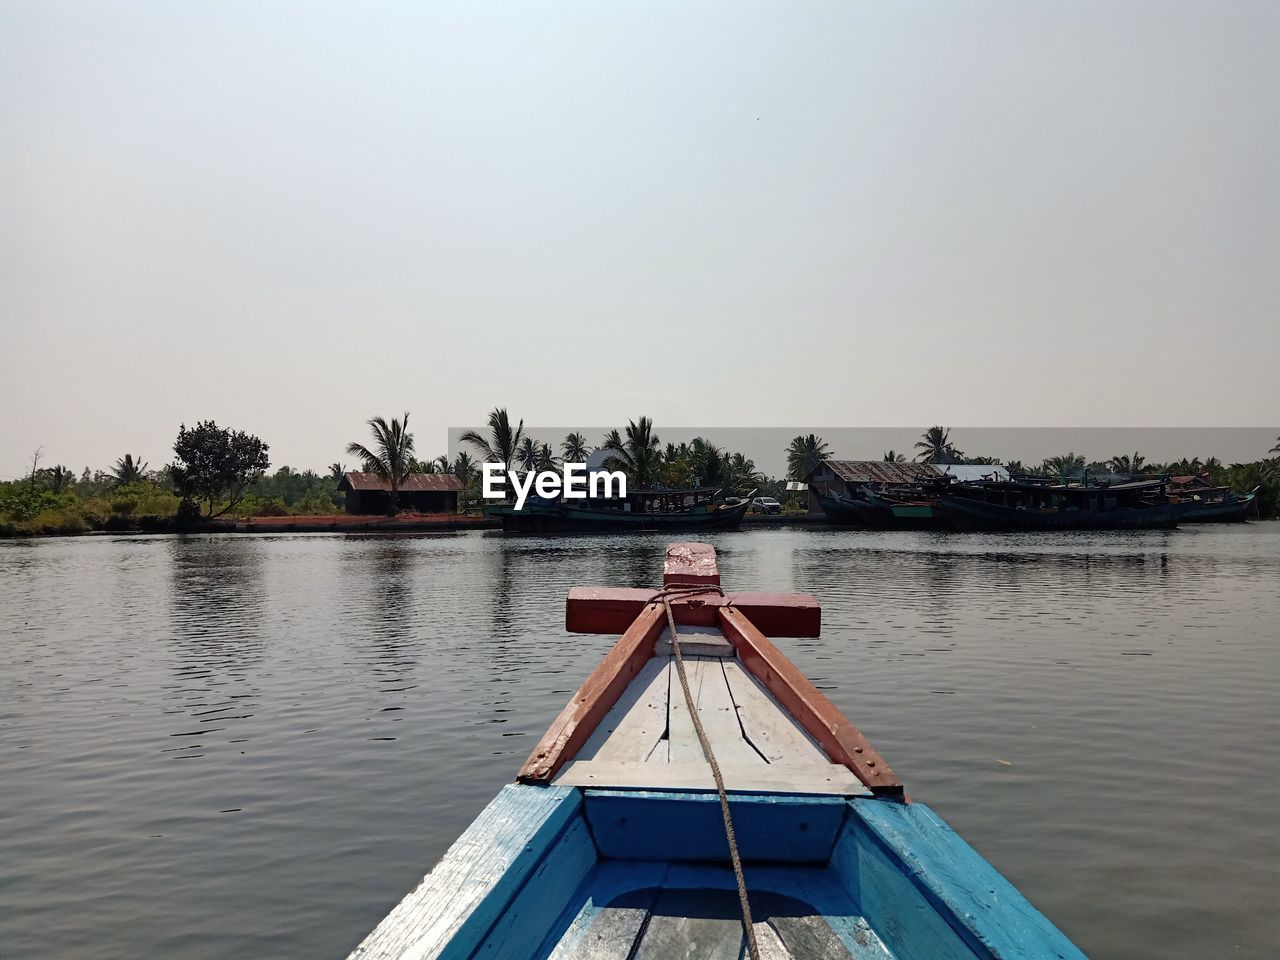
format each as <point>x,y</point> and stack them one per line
<point>597,695</point>
<point>820,718</point>
<point>611,610</point>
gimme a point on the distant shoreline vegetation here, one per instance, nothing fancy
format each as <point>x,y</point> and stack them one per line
<point>223,474</point>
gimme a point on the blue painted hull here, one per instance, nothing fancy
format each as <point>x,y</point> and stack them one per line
<point>568,872</point>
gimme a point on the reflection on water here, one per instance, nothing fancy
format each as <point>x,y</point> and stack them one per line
<point>1095,712</point>
<point>216,603</point>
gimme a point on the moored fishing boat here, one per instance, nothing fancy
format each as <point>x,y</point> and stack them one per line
<point>849,511</point>
<point>674,510</point>
<point>1030,505</point>
<point>698,797</point>
<point>1221,505</point>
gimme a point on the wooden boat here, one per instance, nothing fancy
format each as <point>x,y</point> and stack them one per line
<point>1029,505</point>
<point>673,510</point>
<point>1221,505</point>
<point>848,511</point>
<point>613,843</point>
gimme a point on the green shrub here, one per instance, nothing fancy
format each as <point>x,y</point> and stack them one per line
<point>315,504</point>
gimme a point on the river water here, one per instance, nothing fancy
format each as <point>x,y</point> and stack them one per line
<point>254,746</point>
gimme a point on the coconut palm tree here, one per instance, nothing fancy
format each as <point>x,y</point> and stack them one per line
<point>527,454</point>
<point>574,448</point>
<point>1127,464</point>
<point>741,474</point>
<point>804,454</point>
<point>892,456</point>
<point>502,443</point>
<point>639,455</point>
<point>391,456</point>
<point>60,477</point>
<point>707,461</point>
<point>1276,448</point>
<point>128,469</point>
<point>337,471</point>
<point>1065,465</point>
<point>464,468</point>
<point>935,446</point>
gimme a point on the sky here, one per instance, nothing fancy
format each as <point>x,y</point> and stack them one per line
<point>290,217</point>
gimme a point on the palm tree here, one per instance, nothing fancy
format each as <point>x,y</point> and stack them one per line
<point>574,448</point>
<point>935,446</point>
<point>639,455</point>
<point>128,469</point>
<point>527,454</point>
<point>502,443</point>
<point>804,454</point>
<point>391,457</point>
<point>892,456</point>
<point>60,478</point>
<point>707,461</point>
<point>741,474</point>
<point>1127,464</point>
<point>1276,448</point>
<point>464,468</point>
<point>677,470</point>
<point>546,459</point>
<point>337,471</point>
<point>1066,465</point>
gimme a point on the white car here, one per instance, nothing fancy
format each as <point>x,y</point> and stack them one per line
<point>765,505</point>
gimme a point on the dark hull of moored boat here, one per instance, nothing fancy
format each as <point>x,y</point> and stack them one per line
<point>1233,510</point>
<point>561,519</point>
<point>848,512</point>
<point>974,514</point>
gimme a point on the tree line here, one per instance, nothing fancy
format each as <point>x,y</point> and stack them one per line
<point>217,473</point>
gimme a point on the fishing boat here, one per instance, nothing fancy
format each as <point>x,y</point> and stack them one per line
<point>850,511</point>
<point>1025,504</point>
<point>1220,505</point>
<point>699,797</point>
<point>674,510</point>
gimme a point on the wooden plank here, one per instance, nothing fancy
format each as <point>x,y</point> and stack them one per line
<point>770,729</point>
<point>612,609</point>
<point>529,917</point>
<point>617,899</point>
<point>819,717</point>
<point>825,779</point>
<point>695,642</point>
<point>696,922</point>
<point>684,745</point>
<point>668,825</point>
<point>459,900</point>
<point>634,724</point>
<point>690,564</point>
<point>597,695</point>
<point>719,718</point>
<point>907,863</point>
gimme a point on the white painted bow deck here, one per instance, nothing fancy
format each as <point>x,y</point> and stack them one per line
<point>647,739</point>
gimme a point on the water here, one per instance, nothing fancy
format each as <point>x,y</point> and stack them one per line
<point>234,746</point>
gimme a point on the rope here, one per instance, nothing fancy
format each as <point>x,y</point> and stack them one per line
<point>665,596</point>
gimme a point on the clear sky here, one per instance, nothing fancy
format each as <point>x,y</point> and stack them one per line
<point>291,216</point>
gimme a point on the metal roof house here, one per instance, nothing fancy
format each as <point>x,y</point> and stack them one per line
<point>368,493</point>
